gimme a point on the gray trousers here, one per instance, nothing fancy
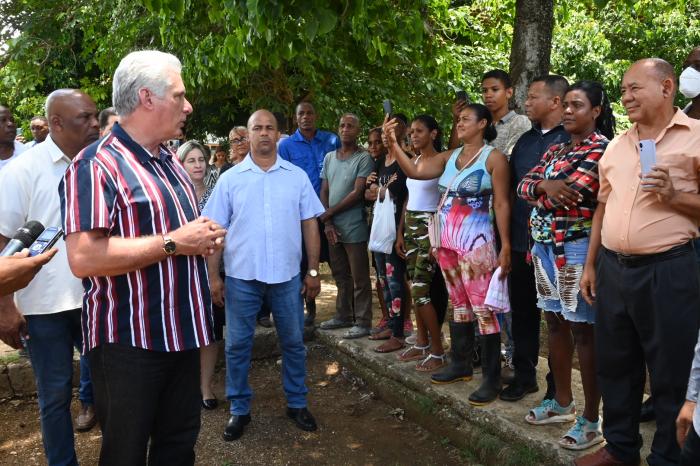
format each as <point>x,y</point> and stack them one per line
<point>350,266</point>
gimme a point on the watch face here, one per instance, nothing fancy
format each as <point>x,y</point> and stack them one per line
<point>169,246</point>
<point>313,273</point>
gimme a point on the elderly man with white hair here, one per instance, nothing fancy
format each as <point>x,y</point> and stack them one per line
<point>135,237</point>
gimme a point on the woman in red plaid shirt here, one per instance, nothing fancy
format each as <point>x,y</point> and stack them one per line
<point>563,188</point>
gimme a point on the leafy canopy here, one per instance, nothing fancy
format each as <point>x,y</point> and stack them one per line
<point>344,55</point>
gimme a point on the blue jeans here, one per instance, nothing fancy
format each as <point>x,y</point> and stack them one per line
<point>85,390</point>
<point>558,289</point>
<point>391,272</point>
<point>52,338</point>
<point>243,301</point>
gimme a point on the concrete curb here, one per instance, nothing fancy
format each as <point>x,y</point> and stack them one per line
<point>495,434</point>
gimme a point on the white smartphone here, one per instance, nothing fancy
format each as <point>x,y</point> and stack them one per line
<point>647,155</point>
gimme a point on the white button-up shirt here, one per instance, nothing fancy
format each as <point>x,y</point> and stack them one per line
<point>263,211</point>
<point>29,191</point>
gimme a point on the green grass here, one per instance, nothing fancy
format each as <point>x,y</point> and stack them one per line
<point>9,358</point>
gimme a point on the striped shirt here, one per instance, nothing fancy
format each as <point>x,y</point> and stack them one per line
<point>116,185</point>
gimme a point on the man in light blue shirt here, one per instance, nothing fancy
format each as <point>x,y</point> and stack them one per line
<point>265,203</point>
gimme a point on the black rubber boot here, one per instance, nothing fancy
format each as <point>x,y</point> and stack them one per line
<point>462,349</point>
<point>490,370</point>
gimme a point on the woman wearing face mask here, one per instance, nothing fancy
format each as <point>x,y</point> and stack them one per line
<point>427,285</point>
<point>191,155</point>
<point>564,187</point>
<point>476,181</point>
<point>689,83</point>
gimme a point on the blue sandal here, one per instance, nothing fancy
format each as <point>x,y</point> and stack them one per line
<point>549,412</point>
<point>580,434</point>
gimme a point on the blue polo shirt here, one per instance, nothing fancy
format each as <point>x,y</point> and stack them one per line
<point>309,155</point>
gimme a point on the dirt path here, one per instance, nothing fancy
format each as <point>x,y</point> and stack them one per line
<point>355,428</point>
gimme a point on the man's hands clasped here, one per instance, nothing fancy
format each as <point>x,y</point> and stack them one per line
<point>201,237</point>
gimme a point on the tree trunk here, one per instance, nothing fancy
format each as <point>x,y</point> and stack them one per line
<point>532,45</point>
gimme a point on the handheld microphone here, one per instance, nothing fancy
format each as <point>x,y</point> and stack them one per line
<point>23,238</point>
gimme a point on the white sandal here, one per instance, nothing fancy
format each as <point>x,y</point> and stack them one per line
<point>420,367</point>
<point>404,356</point>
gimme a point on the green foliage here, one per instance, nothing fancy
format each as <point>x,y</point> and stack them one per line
<point>599,40</point>
<point>344,55</point>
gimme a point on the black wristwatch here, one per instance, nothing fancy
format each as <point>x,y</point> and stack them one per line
<point>169,245</point>
<point>313,273</point>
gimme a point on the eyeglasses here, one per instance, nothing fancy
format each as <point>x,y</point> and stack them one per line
<point>37,128</point>
<point>236,142</point>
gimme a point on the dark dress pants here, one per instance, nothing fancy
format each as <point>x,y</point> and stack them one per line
<point>649,312</point>
<point>690,454</point>
<point>146,395</point>
<point>438,295</point>
<point>526,319</point>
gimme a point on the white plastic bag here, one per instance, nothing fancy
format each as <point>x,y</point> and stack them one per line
<point>497,299</point>
<point>383,234</point>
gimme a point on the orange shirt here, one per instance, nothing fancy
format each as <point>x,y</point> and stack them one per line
<point>636,222</point>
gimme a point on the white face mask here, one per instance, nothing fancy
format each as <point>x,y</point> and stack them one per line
<point>689,82</point>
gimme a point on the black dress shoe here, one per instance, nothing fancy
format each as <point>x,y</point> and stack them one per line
<point>210,403</point>
<point>302,418</point>
<point>647,413</point>
<point>516,391</point>
<point>234,427</point>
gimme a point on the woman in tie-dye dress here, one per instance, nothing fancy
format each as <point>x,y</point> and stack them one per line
<point>475,182</point>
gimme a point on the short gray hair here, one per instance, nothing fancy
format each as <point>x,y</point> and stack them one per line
<point>138,70</point>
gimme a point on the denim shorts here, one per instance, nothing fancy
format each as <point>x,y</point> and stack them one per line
<point>558,289</point>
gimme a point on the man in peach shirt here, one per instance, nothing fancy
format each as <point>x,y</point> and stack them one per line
<point>644,278</point>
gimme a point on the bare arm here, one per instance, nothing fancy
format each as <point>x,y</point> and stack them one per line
<point>312,243</point>
<point>457,108</point>
<point>400,245</point>
<point>324,193</point>
<point>349,201</point>
<point>588,277</point>
<point>426,170</point>
<point>500,174</point>
<point>216,284</point>
<point>17,271</point>
<point>659,181</point>
<point>329,229</point>
<point>371,192</point>
<point>12,323</point>
<point>123,255</point>
<point>687,204</point>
